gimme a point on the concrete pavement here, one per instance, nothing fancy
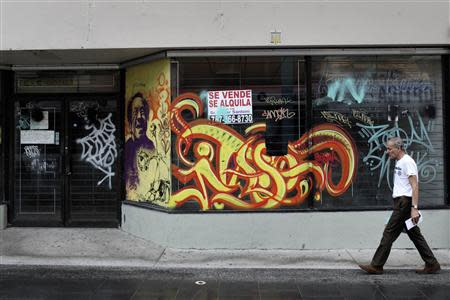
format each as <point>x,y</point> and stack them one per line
<point>90,247</point>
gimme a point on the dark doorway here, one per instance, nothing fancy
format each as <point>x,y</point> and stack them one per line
<point>66,161</point>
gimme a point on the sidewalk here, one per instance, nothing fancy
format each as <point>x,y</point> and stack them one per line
<point>89,247</point>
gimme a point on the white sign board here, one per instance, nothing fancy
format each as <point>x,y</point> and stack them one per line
<point>37,137</point>
<point>230,107</point>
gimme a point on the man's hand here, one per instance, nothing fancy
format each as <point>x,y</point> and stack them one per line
<point>415,215</point>
<point>413,181</point>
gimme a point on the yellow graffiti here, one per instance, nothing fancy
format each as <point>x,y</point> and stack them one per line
<point>222,168</point>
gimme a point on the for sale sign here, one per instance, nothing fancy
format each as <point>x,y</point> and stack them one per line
<point>230,107</point>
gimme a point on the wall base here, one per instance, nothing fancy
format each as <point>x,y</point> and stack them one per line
<point>3,216</point>
<point>293,230</point>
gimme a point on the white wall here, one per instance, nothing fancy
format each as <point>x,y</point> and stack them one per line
<point>294,230</point>
<point>75,24</point>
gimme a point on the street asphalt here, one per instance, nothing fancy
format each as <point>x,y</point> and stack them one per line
<point>62,282</point>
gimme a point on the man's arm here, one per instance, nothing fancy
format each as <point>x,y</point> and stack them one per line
<point>415,198</point>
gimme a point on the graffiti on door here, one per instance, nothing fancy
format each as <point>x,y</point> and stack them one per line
<point>99,147</point>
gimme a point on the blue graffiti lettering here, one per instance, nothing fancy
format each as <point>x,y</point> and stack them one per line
<point>339,88</point>
<point>384,86</point>
<point>394,84</point>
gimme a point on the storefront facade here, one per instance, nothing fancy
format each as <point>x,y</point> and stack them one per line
<point>203,136</point>
<point>263,136</point>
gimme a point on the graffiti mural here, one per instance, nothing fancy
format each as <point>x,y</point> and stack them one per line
<point>375,98</point>
<point>147,130</point>
<point>377,159</point>
<point>221,169</point>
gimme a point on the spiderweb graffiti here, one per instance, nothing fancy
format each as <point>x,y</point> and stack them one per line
<point>99,147</point>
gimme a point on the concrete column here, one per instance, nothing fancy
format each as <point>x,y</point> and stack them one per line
<point>3,218</point>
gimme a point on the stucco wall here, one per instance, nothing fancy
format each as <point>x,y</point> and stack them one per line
<point>63,24</point>
<point>295,230</point>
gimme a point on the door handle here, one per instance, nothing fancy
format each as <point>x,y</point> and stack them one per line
<point>69,173</point>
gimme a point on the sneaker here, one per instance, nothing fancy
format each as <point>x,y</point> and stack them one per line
<point>371,269</point>
<point>430,269</point>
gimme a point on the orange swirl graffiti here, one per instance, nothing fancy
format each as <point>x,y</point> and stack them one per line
<point>232,170</point>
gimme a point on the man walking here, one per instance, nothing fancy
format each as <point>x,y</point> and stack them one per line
<point>406,201</point>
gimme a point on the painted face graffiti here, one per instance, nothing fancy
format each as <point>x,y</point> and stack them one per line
<point>147,146</point>
<point>234,171</point>
<point>139,119</point>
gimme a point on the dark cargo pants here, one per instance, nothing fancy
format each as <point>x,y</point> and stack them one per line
<point>402,212</point>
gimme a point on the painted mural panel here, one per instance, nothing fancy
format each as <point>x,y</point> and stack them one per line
<point>223,169</point>
<point>147,133</point>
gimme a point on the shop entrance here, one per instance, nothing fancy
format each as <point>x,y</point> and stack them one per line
<point>65,162</point>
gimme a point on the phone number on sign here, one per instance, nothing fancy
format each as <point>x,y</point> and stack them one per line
<point>231,119</point>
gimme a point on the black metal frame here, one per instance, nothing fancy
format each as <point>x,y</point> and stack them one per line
<point>2,136</point>
<point>64,99</point>
<point>6,91</point>
<point>445,59</point>
<point>308,71</point>
<point>121,135</point>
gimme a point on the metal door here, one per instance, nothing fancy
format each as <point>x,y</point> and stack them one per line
<point>65,165</point>
<point>38,164</point>
<point>92,159</point>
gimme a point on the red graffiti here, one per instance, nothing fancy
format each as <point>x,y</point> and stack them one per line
<point>325,158</point>
<point>220,168</point>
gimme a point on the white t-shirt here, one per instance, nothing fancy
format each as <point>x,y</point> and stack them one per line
<point>404,168</point>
